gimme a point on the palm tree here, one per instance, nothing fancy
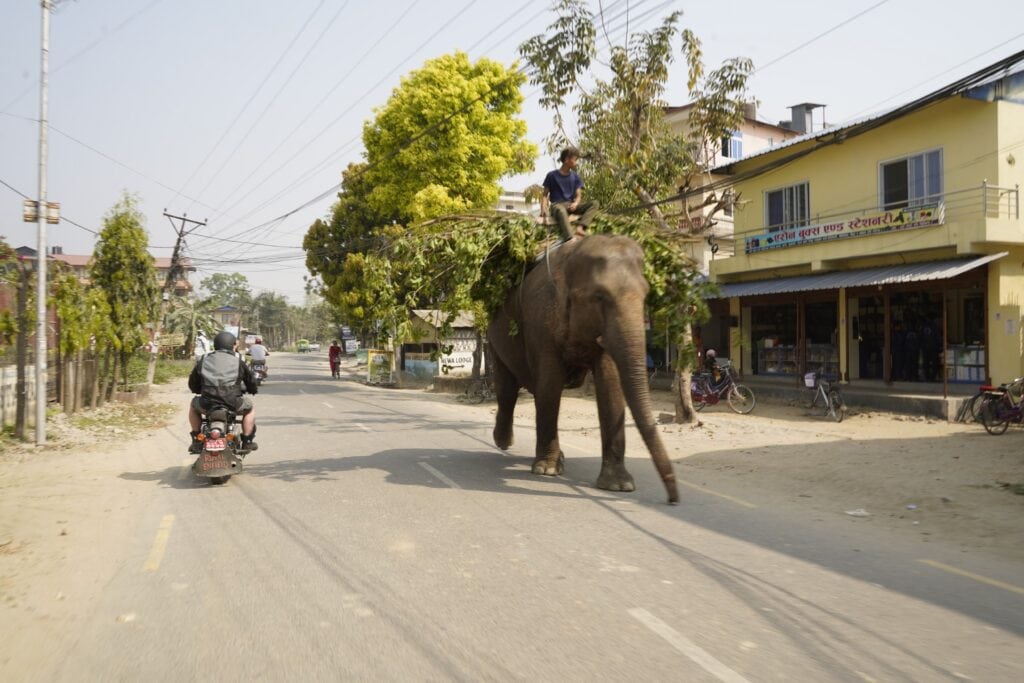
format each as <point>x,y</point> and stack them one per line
<point>192,317</point>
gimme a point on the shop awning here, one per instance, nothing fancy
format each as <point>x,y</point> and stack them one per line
<point>862,277</point>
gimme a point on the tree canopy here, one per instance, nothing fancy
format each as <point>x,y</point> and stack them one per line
<point>439,145</point>
<point>228,289</point>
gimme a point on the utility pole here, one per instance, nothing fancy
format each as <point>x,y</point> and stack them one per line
<point>172,277</point>
<point>41,331</point>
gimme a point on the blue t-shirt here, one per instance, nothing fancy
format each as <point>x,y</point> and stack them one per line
<point>562,188</point>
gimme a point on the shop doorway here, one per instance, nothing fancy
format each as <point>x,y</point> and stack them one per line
<point>869,329</point>
<point>917,337</point>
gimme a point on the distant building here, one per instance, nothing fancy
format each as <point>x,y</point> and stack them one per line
<point>79,265</point>
<point>750,137</point>
<point>516,202</point>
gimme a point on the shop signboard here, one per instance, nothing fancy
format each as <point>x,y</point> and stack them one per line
<point>351,345</point>
<point>379,366</point>
<point>458,362</point>
<point>871,224</point>
<point>172,340</point>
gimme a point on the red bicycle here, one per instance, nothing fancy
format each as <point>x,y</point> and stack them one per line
<point>705,391</point>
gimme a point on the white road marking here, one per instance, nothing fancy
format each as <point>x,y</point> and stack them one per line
<point>976,577</point>
<point>363,427</point>
<point>156,553</point>
<point>687,647</point>
<point>327,404</point>
<point>434,471</point>
<point>731,499</point>
<point>302,391</point>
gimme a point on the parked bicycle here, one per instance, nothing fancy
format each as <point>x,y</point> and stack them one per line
<point>706,390</point>
<point>1001,406</point>
<point>828,391</point>
<point>970,410</point>
<point>479,390</point>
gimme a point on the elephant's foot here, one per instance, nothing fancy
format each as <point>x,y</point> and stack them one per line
<point>548,467</point>
<point>615,478</point>
<point>503,437</point>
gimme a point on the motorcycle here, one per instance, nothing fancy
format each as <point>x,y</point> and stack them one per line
<point>259,370</point>
<point>221,457</point>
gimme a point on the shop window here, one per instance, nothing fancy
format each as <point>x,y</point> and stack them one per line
<point>912,181</point>
<point>732,145</point>
<point>789,207</point>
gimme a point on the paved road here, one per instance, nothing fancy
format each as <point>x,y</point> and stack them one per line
<point>379,536</point>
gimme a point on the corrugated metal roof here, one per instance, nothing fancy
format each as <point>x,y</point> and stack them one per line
<point>434,317</point>
<point>863,277</point>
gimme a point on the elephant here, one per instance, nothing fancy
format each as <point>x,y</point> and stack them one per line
<point>579,309</point>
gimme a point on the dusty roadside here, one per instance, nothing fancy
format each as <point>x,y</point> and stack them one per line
<point>64,518</point>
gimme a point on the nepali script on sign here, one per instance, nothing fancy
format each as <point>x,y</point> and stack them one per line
<point>888,221</point>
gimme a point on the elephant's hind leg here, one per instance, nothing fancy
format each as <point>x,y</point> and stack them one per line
<point>611,412</point>
<point>507,389</point>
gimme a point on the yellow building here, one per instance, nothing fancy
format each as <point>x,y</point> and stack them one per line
<point>889,249</point>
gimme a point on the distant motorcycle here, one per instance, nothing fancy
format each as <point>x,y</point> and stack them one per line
<point>259,370</point>
<point>221,457</point>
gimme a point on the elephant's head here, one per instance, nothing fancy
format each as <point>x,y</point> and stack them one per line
<point>606,291</point>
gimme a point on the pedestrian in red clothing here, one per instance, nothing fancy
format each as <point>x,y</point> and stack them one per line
<point>334,355</point>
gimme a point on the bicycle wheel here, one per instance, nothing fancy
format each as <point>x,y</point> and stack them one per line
<point>836,407</point>
<point>741,399</point>
<point>475,393</point>
<point>974,407</point>
<point>994,414</point>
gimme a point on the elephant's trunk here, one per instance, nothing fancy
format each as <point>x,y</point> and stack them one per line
<point>627,346</point>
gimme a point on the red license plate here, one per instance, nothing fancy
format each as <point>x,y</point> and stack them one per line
<point>216,444</point>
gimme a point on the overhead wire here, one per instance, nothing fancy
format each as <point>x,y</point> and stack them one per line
<point>334,188</point>
<point>248,102</point>
<point>387,32</point>
<point>352,106</point>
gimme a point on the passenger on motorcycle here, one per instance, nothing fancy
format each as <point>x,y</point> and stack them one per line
<point>259,354</point>
<point>222,379</point>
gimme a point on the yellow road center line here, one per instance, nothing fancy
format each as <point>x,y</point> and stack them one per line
<point>186,469</point>
<point>156,553</point>
<point>975,577</point>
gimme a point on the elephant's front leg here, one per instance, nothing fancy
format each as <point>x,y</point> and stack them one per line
<point>550,380</point>
<point>611,412</point>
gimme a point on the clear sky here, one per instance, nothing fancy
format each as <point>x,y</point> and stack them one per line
<point>239,111</point>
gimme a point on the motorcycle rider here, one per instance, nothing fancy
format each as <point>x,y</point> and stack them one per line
<point>259,354</point>
<point>221,379</point>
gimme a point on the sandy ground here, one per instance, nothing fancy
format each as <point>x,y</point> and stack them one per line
<point>949,483</point>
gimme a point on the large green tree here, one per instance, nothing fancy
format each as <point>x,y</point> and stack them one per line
<point>634,161</point>
<point>122,269</point>
<point>439,145</point>
<point>444,138</point>
<point>228,289</point>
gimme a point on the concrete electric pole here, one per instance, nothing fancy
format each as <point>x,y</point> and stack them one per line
<point>172,277</point>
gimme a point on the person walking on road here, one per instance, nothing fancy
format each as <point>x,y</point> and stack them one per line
<point>334,356</point>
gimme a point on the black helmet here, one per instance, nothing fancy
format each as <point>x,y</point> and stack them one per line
<point>224,341</point>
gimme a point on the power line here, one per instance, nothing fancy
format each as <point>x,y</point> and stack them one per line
<point>334,188</point>
<point>277,95</point>
<point>86,49</point>
<point>819,36</point>
<point>245,106</point>
<point>316,107</point>
<point>333,122</point>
